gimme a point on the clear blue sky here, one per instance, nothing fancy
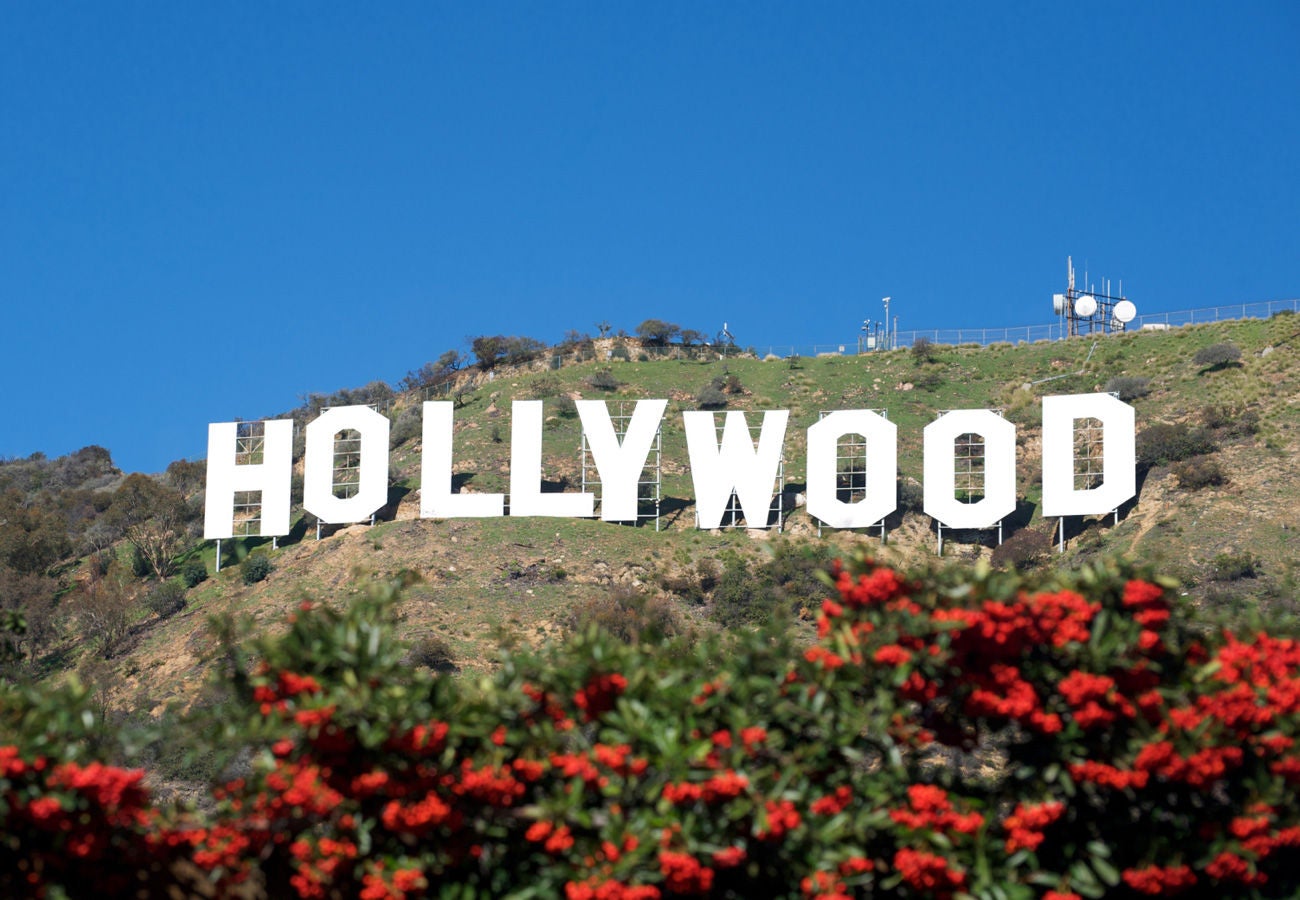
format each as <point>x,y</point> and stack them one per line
<point>209,210</point>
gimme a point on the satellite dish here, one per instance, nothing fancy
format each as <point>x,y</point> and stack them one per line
<point>1058,303</point>
<point>1085,306</point>
<point>1125,311</point>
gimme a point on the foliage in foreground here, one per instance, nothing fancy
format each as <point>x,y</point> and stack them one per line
<point>965,734</point>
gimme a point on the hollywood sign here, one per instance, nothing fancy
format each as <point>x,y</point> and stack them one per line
<point>718,467</point>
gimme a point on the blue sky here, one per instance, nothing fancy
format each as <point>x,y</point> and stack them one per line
<point>209,210</point>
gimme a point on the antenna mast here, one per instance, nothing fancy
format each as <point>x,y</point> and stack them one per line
<point>1091,312</point>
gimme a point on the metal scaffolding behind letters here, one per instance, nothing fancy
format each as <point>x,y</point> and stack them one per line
<point>649,490</point>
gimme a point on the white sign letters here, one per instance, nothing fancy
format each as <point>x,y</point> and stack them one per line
<point>719,465</point>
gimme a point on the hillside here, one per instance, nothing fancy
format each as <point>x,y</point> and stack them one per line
<point>485,582</point>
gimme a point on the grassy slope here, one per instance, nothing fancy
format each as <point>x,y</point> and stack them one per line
<point>520,575</point>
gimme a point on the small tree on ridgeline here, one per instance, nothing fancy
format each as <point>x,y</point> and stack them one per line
<point>657,333</point>
<point>433,372</point>
<point>488,350</point>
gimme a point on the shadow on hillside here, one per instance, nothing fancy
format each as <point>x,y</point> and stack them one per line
<point>1128,505</point>
<point>388,512</point>
<point>672,510</point>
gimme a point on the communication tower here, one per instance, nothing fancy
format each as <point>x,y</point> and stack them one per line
<point>1089,311</point>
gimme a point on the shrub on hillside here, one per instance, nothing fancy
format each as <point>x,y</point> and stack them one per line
<point>462,395</point>
<point>101,561</point>
<point>693,584</point>
<point>1217,356</point>
<point>1023,549</point>
<point>628,615</point>
<point>743,595</point>
<point>796,572</point>
<point>1231,420</point>
<point>166,599</point>
<point>911,497</point>
<point>566,408</point>
<point>1199,472</point>
<point>928,380</point>
<point>545,386</point>
<point>256,567</point>
<point>1128,387</point>
<point>407,427</point>
<point>1162,443</point>
<point>434,652</point>
<point>923,351</point>
<point>140,567</point>
<point>194,572</point>
<point>603,380</point>
<point>711,396</point>
<point>1235,566</point>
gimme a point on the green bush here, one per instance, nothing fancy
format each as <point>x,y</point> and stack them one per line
<point>928,380</point>
<point>102,560</point>
<point>1235,566</point>
<point>140,565</point>
<point>743,595</point>
<point>434,652</point>
<point>711,396</point>
<point>1231,420</point>
<point>194,572</point>
<point>923,351</point>
<point>911,497</point>
<point>693,584</point>
<point>407,427</point>
<point>1162,443</point>
<point>1128,387</point>
<point>603,380</point>
<point>1022,550</point>
<point>628,615</point>
<point>166,599</point>
<point>1217,356</point>
<point>1199,472</point>
<point>256,567</point>
<point>545,386</point>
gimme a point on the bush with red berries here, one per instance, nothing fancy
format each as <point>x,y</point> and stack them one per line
<point>963,734</point>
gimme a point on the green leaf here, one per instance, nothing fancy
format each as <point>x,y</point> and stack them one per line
<point>1105,871</point>
<point>1099,849</point>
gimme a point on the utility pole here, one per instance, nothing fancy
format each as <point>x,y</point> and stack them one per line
<point>886,300</point>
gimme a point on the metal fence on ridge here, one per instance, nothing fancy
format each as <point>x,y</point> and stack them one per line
<point>1053,332</point>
